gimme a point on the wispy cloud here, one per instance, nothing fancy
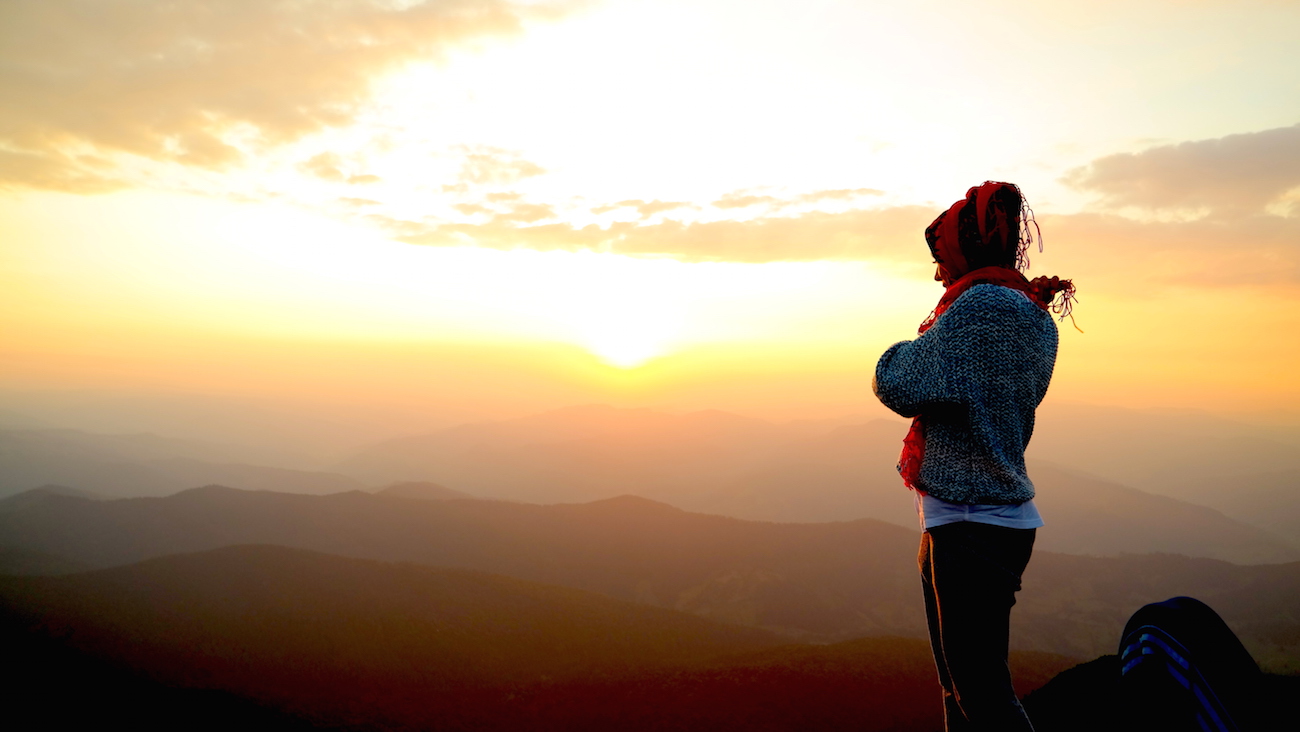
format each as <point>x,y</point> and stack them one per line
<point>1137,257</point>
<point>745,200</point>
<point>200,82</point>
<point>526,213</point>
<point>645,209</point>
<point>891,233</point>
<point>357,202</point>
<point>1226,176</point>
<point>1100,250</point>
<point>742,199</point>
<point>330,167</point>
<point>484,165</point>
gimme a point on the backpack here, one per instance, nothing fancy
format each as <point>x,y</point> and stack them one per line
<point>1182,668</point>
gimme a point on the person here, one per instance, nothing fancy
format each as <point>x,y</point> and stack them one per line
<point>971,382</point>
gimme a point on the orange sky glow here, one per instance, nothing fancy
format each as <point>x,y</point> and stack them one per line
<point>490,208</point>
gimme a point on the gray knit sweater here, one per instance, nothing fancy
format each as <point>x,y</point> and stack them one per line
<point>977,375</point>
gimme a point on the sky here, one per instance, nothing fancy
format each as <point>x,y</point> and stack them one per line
<point>462,208</point>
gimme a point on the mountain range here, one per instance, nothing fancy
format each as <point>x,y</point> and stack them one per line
<point>599,568</point>
<point>720,463</point>
<point>813,582</point>
<point>140,465</point>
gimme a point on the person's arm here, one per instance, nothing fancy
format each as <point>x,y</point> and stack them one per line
<point>931,372</point>
<point>912,375</point>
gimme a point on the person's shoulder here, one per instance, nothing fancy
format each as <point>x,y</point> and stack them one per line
<point>993,294</point>
<point>987,307</point>
<point>986,297</point>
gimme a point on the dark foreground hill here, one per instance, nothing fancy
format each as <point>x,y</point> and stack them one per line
<point>268,631</point>
<point>825,582</point>
<point>49,685</point>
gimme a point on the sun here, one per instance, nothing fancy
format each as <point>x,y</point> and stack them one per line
<point>626,333</point>
<point>625,352</point>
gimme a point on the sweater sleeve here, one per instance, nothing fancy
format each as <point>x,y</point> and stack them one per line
<point>945,367</point>
<point>914,376</point>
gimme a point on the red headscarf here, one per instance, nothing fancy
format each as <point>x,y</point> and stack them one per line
<point>982,239</point>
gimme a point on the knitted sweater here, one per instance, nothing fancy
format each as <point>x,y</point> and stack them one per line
<point>977,375</point>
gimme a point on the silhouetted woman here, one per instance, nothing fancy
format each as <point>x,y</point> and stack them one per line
<point>972,381</point>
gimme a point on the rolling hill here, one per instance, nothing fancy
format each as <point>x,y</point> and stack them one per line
<point>718,463</point>
<point>422,490</point>
<point>364,644</point>
<point>825,582</point>
<point>710,462</point>
<point>1270,501</point>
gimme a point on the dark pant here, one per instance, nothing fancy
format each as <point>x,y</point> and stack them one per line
<point>970,573</point>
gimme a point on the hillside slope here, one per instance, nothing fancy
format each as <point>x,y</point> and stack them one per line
<point>376,645</point>
<point>825,582</point>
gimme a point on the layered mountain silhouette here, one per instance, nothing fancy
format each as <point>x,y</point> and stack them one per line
<point>364,644</point>
<point>422,490</point>
<point>1089,515</point>
<point>596,568</point>
<point>140,465</point>
<point>825,582</point>
<point>1162,451</point>
<point>1270,501</point>
<point>720,463</point>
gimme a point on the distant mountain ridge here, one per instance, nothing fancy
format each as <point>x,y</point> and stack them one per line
<point>1161,451</point>
<point>140,465</point>
<point>1268,500</point>
<point>813,581</point>
<point>422,490</point>
<point>710,462</point>
<point>718,463</point>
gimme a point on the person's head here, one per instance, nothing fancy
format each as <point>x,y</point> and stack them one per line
<point>981,230</point>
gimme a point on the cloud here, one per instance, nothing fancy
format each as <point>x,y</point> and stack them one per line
<point>358,202</point>
<point>645,208</point>
<point>1227,176</point>
<point>329,166</point>
<point>54,171</point>
<point>515,211</point>
<point>740,199</point>
<point>1101,252</point>
<point>470,209</point>
<point>485,165</point>
<point>650,208</point>
<point>325,166</point>
<point>526,213</point>
<point>881,234</point>
<point>1120,254</point>
<point>885,234</point>
<point>193,81</point>
<point>744,200</point>
<point>838,194</point>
